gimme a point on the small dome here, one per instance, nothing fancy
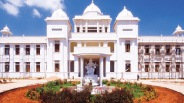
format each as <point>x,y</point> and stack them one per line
<point>6,31</point>
<point>6,28</point>
<point>178,28</point>
<point>125,14</point>
<point>59,14</point>
<point>92,8</point>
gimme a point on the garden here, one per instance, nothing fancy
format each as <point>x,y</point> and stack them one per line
<point>63,91</point>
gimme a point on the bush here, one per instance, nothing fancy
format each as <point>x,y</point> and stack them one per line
<point>116,96</point>
<point>51,84</point>
<point>67,96</point>
<point>150,93</point>
<point>104,81</point>
<point>33,94</point>
<point>59,82</point>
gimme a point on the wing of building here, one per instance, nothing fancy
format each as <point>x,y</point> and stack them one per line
<point>121,54</point>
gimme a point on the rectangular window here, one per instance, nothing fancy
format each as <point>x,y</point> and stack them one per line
<point>57,66</point>
<point>100,29</point>
<point>146,67</point>
<point>17,67</point>
<point>71,66</point>
<point>111,45</point>
<point>147,48</point>
<point>168,48</point>
<point>157,67</point>
<point>78,29</point>
<point>167,67</point>
<point>57,29</point>
<point>111,66</point>
<point>37,66</point>
<point>106,28</point>
<point>27,49</point>
<point>27,66</point>
<point>127,29</point>
<point>84,30</point>
<point>37,49</point>
<point>7,66</point>
<point>127,66</point>
<point>92,29</point>
<point>57,46</point>
<point>178,50</point>
<point>127,46</point>
<point>157,49</point>
<point>7,49</point>
<point>17,50</point>
<point>177,67</point>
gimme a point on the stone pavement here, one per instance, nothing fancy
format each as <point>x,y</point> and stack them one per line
<point>176,85</point>
<point>19,83</point>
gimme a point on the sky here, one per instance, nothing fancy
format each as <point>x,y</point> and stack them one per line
<point>26,17</point>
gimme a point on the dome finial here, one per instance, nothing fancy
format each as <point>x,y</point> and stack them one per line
<point>92,1</point>
<point>124,7</point>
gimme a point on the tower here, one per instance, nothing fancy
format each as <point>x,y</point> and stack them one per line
<point>126,28</point>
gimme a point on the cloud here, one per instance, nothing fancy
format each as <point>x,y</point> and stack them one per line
<point>10,9</point>
<point>12,6</point>
<point>50,5</point>
<point>17,3</point>
<point>36,13</point>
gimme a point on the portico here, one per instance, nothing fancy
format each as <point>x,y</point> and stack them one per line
<point>103,65</point>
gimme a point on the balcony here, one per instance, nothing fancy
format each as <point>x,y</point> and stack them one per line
<point>146,58</point>
<point>93,36</point>
<point>92,50</point>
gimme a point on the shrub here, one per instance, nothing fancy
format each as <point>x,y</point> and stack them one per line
<point>51,84</point>
<point>150,93</point>
<point>116,96</point>
<point>104,81</point>
<point>112,81</point>
<point>33,94</point>
<point>59,82</point>
<point>65,81</point>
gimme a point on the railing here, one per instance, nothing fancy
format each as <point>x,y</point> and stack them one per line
<point>92,50</point>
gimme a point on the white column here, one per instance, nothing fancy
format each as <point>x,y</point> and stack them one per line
<point>76,66</point>
<point>11,59</point>
<point>97,27</point>
<point>86,28</point>
<point>101,70</point>
<point>82,70</point>
<point>107,66</point>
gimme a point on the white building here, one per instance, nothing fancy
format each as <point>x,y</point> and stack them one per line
<point>120,54</point>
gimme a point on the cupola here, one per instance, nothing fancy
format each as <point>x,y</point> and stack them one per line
<point>59,14</point>
<point>92,9</point>
<point>178,31</point>
<point>6,31</point>
<point>125,13</point>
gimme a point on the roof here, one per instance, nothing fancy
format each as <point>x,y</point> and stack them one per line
<point>92,9</point>
<point>23,39</point>
<point>125,14</point>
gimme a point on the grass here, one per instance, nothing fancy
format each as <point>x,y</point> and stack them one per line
<point>136,89</point>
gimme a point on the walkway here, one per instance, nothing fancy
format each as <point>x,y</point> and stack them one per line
<point>176,85</point>
<point>19,83</point>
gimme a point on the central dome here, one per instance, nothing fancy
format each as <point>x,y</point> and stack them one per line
<point>92,8</point>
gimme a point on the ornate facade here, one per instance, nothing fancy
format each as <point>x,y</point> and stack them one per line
<point>120,54</point>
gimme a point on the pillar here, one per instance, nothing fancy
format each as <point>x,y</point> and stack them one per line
<point>101,70</point>
<point>76,66</point>
<point>82,70</point>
